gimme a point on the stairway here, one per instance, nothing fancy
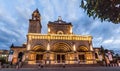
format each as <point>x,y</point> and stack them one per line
<point>60,65</point>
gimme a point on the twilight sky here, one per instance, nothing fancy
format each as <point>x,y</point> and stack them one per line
<point>14,16</point>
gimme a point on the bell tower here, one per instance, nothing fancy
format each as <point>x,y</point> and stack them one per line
<point>35,23</point>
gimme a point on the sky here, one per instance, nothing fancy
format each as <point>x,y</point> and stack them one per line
<point>15,15</point>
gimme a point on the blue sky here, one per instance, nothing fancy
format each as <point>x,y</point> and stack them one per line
<point>14,16</point>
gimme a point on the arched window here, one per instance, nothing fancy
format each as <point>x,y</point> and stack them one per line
<point>82,49</point>
<point>96,56</point>
<point>20,56</point>
<point>60,32</point>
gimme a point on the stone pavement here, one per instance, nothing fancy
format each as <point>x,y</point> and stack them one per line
<point>65,69</point>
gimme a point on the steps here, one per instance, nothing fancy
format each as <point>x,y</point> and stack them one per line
<point>60,65</point>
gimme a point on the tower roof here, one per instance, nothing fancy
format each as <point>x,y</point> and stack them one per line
<point>36,15</point>
<point>59,18</point>
<point>36,12</point>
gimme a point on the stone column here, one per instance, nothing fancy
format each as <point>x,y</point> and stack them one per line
<point>93,57</point>
<point>75,54</point>
<point>26,55</point>
<point>75,57</point>
<point>91,47</point>
<point>29,38</point>
<point>48,54</point>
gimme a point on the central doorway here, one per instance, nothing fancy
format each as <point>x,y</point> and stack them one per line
<point>82,58</point>
<point>60,58</point>
<point>39,58</point>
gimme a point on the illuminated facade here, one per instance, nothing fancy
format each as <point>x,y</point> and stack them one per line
<point>58,46</point>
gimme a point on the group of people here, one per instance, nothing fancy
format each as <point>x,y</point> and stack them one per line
<point>111,62</point>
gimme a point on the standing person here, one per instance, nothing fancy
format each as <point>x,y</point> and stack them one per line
<point>17,64</point>
<point>20,58</point>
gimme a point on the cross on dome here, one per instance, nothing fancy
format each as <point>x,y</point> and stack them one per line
<point>59,18</point>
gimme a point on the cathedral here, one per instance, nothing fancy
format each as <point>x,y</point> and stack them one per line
<point>58,46</point>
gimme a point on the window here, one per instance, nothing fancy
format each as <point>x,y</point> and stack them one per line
<point>96,56</point>
<point>60,32</point>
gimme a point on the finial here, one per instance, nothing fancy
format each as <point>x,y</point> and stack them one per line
<point>59,18</point>
<point>37,10</point>
<point>36,15</point>
<point>12,45</point>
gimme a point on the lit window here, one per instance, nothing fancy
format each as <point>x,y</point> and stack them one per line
<point>70,29</point>
<point>48,29</point>
<point>60,32</point>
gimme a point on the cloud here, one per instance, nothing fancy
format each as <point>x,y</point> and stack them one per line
<point>97,41</point>
<point>108,41</point>
<point>116,41</point>
<point>15,17</point>
<point>112,40</point>
<point>11,28</point>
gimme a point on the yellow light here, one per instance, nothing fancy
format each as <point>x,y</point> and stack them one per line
<point>70,29</point>
<point>74,48</point>
<point>91,48</point>
<point>28,46</point>
<point>48,29</point>
<point>32,36</point>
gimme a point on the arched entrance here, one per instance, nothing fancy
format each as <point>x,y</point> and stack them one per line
<point>60,50</point>
<point>81,53</point>
<point>20,56</point>
<point>39,50</point>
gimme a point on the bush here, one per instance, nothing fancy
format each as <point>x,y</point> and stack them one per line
<point>3,61</point>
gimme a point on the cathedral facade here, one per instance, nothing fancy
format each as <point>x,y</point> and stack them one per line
<point>58,46</point>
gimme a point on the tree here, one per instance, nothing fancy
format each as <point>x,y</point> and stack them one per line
<point>106,10</point>
<point>117,56</point>
<point>102,51</point>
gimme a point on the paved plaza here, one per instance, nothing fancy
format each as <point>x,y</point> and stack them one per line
<point>65,69</point>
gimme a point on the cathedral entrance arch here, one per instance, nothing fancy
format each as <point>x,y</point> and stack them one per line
<point>39,49</point>
<point>60,49</point>
<point>81,55</point>
<point>82,49</point>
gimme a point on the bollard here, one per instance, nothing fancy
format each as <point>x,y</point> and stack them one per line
<point>113,65</point>
<point>39,65</point>
<point>63,65</point>
<point>116,65</point>
<point>17,66</point>
<point>110,65</point>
